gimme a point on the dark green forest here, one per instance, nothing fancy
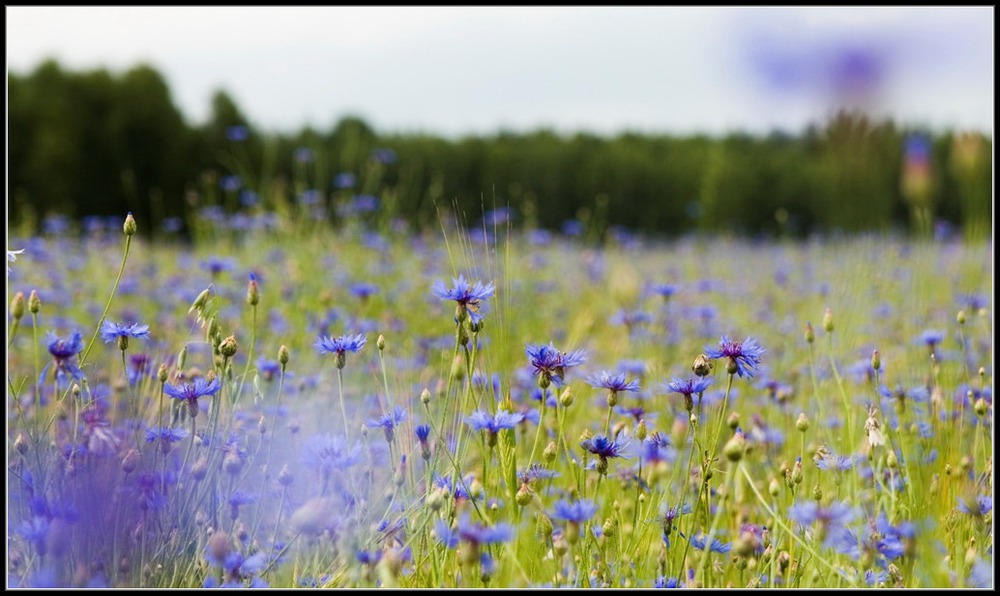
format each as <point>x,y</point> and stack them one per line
<point>102,143</point>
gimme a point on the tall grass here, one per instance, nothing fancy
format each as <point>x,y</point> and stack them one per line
<point>824,467</point>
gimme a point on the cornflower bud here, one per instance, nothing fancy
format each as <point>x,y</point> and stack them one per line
<point>253,292</point>
<point>34,302</point>
<point>980,407</point>
<point>809,334</point>
<point>228,347</point>
<point>702,365</point>
<point>828,320</point>
<point>773,487</point>
<point>802,422</point>
<point>130,461</point>
<point>283,356</point>
<point>566,398</point>
<point>17,306</point>
<point>550,452</point>
<point>380,342</point>
<point>735,447</point>
<point>733,421</point>
<point>425,396</point>
<point>129,226</point>
<point>162,374</point>
<point>641,432</point>
<point>876,360</point>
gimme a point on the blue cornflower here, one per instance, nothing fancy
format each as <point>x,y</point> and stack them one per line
<point>459,492</point>
<point>832,461</point>
<point>166,436</point>
<point>190,392</point>
<point>667,518</point>
<point>550,364</point>
<point>667,582</point>
<point>744,356</point>
<point>237,500</point>
<point>63,350</point>
<point>832,520</point>
<point>12,257</point>
<point>340,346</point>
<point>978,507</point>
<point>535,472</point>
<point>664,290</point>
<point>423,431</point>
<point>388,421</point>
<point>344,180</point>
<point>111,331</point>
<point>931,338</point>
<point>613,382</point>
<point>215,265</point>
<point>363,290</point>
<point>237,133</point>
<point>631,319</point>
<point>716,546</point>
<point>573,513</point>
<point>325,453</point>
<point>603,447</point>
<point>656,448</point>
<point>687,388</point>
<point>480,420</point>
<point>471,533</point>
<point>468,296</point>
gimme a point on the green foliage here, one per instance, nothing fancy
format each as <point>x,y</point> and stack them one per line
<point>93,142</point>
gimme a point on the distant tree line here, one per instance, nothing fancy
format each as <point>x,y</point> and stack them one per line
<point>99,143</point>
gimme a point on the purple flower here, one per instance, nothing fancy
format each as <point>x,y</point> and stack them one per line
<point>480,420</point>
<point>190,392</point>
<point>471,533</point>
<point>575,512</point>
<point>111,331</point>
<point>12,257</point>
<point>603,447</point>
<point>716,546</point>
<point>468,296</point>
<point>744,356</point>
<point>535,472</point>
<point>325,453</point>
<point>63,349</point>
<point>340,346</point>
<point>613,382</point>
<point>550,364</point>
<point>237,133</point>
<point>687,387</point>
<point>388,421</point>
<point>978,507</point>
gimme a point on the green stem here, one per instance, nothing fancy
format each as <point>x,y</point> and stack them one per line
<point>107,307</point>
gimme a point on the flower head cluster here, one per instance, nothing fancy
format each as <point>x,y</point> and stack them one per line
<point>388,422</point>
<point>190,392</point>
<point>111,331</point>
<point>493,424</point>
<point>604,448</point>
<point>471,533</point>
<point>613,382</point>
<point>63,349</point>
<point>573,513</point>
<point>467,295</point>
<point>744,356</point>
<point>340,346</point>
<point>550,364</point>
<point>687,388</point>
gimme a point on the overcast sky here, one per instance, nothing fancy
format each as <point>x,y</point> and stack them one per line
<point>465,70</point>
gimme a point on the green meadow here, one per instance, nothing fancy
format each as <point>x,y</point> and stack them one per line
<point>285,403</point>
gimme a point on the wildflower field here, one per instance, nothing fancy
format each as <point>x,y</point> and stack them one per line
<point>299,406</point>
